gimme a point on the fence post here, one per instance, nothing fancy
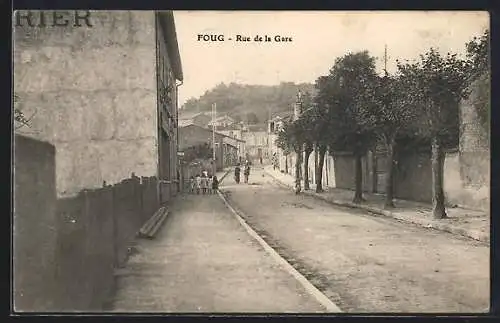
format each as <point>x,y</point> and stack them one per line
<point>115,225</point>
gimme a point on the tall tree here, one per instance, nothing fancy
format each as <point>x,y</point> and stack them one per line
<point>320,130</point>
<point>345,88</point>
<point>286,141</point>
<point>439,83</point>
<point>389,111</point>
<point>304,127</point>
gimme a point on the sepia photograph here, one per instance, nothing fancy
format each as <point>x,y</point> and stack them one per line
<point>251,162</point>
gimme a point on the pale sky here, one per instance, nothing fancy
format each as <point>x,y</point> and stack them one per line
<point>318,38</point>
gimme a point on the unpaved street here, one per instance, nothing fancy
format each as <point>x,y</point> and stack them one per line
<point>362,262</point>
<point>203,260</point>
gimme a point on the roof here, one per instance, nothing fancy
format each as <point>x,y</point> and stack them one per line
<point>283,114</point>
<point>167,23</point>
<point>185,122</point>
<point>223,117</point>
<point>190,115</point>
<point>228,127</point>
<point>210,131</point>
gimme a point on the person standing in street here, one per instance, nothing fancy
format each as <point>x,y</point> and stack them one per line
<point>247,172</point>
<point>209,184</point>
<point>237,171</point>
<point>215,184</point>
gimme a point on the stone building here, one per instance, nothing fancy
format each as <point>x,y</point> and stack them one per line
<point>256,142</point>
<point>222,121</point>
<point>226,148</point>
<point>101,86</point>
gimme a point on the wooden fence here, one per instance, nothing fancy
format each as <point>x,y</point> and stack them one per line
<point>95,229</point>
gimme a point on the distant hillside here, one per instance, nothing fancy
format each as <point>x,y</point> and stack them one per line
<point>238,100</point>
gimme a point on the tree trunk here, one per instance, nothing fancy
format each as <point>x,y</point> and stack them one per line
<point>358,174</point>
<point>286,164</point>
<point>315,164</point>
<point>319,169</point>
<point>308,152</point>
<point>298,163</point>
<point>438,208</point>
<point>389,181</point>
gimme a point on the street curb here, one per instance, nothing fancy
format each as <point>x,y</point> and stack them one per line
<point>224,176</point>
<point>310,288</point>
<point>472,234</point>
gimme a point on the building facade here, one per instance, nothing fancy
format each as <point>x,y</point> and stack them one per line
<point>226,149</point>
<point>256,142</point>
<point>101,87</point>
<point>235,132</point>
<point>222,121</point>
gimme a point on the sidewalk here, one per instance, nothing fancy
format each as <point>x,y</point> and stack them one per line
<point>469,223</point>
<point>203,260</point>
<point>223,173</point>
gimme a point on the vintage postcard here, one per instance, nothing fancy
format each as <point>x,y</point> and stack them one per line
<point>251,161</point>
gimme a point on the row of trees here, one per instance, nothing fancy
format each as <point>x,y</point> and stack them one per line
<point>355,109</point>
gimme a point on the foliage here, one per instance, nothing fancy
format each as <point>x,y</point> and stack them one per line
<point>19,117</point>
<point>482,100</point>
<point>201,151</point>
<point>390,108</point>
<point>304,128</point>
<point>238,99</point>
<point>438,83</point>
<point>252,118</point>
<point>478,53</point>
<point>343,93</point>
<point>287,138</point>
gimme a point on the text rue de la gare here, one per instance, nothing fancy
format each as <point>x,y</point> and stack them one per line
<point>243,38</point>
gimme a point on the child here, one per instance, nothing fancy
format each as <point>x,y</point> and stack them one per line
<point>215,184</point>
<point>209,186</point>
<point>192,185</point>
<point>198,184</point>
<point>204,184</point>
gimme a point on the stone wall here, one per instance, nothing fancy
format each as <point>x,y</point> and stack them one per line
<point>413,177</point>
<point>343,165</point>
<point>466,180</point>
<point>92,94</point>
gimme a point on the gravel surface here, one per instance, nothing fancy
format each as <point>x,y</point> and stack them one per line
<point>365,263</point>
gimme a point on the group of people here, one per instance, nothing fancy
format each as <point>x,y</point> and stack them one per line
<point>246,172</point>
<point>204,183</point>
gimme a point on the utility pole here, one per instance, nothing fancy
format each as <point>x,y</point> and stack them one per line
<point>214,112</point>
<point>385,60</point>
